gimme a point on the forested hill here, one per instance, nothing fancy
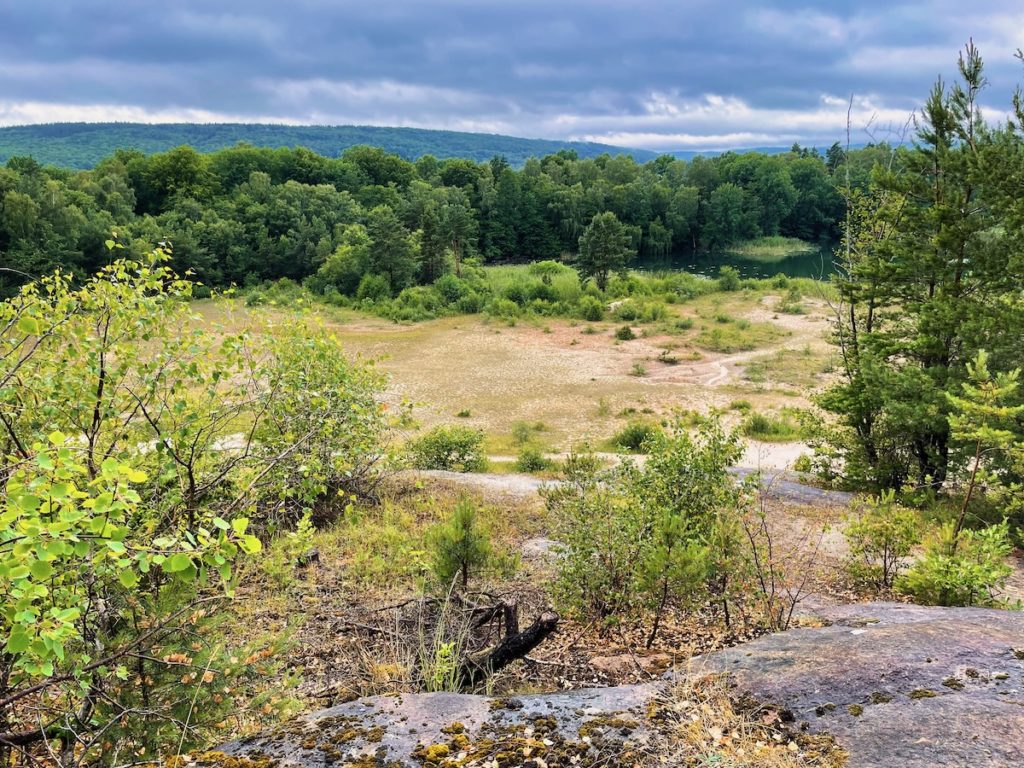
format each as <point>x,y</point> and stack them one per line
<point>83,145</point>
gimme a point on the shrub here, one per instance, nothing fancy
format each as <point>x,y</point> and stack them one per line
<point>627,311</point>
<point>503,308</point>
<point>459,545</point>
<point>636,435</point>
<point>959,570</point>
<point>625,333</point>
<point>598,527</point>
<point>790,303</point>
<point>470,304</point>
<point>728,279</point>
<point>453,448</point>
<point>591,308</point>
<point>521,432</point>
<point>531,459</point>
<point>880,536</point>
<point>639,369</point>
<point>374,288</point>
<point>769,428</point>
<point>117,525</point>
<point>518,292</point>
<point>451,288</point>
<point>653,537</point>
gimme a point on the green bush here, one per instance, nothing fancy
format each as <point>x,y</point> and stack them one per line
<point>791,302</point>
<point>779,429</point>
<point>881,534</point>
<point>451,288</point>
<point>591,308</point>
<point>599,567</point>
<point>470,304</point>
<point>531,459</point>
<point>627,311</point>
<point>636,435</point>
<point>728,279</point>
<point>521,433</point>
<point>374,288</point>
<point>518,292</point>
<point>651,538</point>
<point>625,333</point>
<point>969,569</point>
<point>459,545</point>
<point>503,308</point>
<point>452,448</point>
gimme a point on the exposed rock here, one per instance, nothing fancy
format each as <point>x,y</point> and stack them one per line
<point>423,729</point>
<point>540,549</point>
<point>897,685</point>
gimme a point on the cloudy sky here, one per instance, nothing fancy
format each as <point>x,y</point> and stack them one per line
<point>659,74</point>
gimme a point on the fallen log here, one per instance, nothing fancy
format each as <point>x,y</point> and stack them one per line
<point>476,669</point>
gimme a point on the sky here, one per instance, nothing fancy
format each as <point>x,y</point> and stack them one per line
<point>653,74</point>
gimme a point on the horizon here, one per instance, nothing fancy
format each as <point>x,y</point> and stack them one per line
<point>667,151</point>
<point>698,78</point>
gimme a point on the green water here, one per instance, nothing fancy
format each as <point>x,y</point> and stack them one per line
<point>816,264</point>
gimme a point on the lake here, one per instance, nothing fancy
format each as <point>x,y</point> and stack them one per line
<point>815,264</point>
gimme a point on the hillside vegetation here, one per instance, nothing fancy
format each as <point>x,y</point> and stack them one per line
<point>244,215</point>
<point>84,145</point>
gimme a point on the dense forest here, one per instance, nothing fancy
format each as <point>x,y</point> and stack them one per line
<point>245,214</point>
<point>84,145</point>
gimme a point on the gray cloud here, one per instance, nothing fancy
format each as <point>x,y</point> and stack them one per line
<point>651,73</point>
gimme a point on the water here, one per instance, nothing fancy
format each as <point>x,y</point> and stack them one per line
<point>815,264</point>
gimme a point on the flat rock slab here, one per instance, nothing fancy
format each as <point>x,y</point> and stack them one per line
<point>896,685</point>
<point>592,726</point>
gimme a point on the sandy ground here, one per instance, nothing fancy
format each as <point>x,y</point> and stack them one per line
<point>580,386</point>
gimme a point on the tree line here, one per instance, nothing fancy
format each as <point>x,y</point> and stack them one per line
<point>245,215</point>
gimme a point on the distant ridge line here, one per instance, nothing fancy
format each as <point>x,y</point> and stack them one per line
<point>83,145</point>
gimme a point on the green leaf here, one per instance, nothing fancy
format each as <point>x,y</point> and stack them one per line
<point>178,562</point>
<point>41,570</point>
<point>18,641</point>
<point>128,579</point>
<point>29,326</point>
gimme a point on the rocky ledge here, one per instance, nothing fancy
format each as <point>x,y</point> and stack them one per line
<point>895,685</point>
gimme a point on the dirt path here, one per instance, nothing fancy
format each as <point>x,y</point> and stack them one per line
<point>781,485</point>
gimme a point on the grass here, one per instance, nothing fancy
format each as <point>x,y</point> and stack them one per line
<point>634,436</point>
<point>781,427</point>
<point>565,286</point>
<point>729,336</point>
<point>385,545</point>
<point>797,368</point>
<point>772,248</point>
<point>704,725</point>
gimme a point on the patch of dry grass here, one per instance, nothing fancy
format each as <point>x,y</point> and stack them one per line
<point>705,726</point>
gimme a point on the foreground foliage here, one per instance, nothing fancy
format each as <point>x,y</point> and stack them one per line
<point>140,455</point>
